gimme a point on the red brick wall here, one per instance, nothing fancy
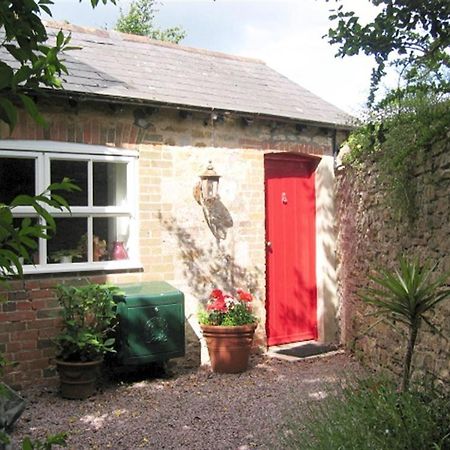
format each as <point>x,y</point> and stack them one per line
<point>30,319</point>
<point>29,315</point>
<point>86,128</point>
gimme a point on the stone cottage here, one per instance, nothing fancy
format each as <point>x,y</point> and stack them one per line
<point>136,124</point>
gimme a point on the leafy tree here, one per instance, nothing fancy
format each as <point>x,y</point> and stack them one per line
<point>405,296</point>
<point>414,36</point>
<point>34,61</point>
<point>140,20</point>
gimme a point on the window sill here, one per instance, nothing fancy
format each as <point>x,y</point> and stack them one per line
<point>82,267</point>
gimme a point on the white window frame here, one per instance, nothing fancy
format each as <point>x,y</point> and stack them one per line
<point>43,152</point>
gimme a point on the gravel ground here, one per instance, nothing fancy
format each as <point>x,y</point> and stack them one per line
<point>194,409</point>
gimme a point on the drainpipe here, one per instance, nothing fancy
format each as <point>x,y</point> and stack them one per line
<point>334,147</point>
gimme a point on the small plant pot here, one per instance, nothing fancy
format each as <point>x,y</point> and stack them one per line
<point>78,380</point>
<point>65,259</point>
<point>229,347</point>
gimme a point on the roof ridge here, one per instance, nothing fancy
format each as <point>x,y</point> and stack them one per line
<point>145,40</point>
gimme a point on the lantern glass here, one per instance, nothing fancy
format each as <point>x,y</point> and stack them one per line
<point>209,188</point>
<point>209,183</point>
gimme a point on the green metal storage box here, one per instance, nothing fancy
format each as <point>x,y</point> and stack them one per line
<point>151,323</point>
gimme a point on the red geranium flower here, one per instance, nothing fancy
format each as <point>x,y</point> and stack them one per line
<point>228,310</point>
<point>218,305</point>
<point>216,293</point>
<point>244,296</point>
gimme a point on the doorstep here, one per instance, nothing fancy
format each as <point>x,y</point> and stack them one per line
<point>303,350</point>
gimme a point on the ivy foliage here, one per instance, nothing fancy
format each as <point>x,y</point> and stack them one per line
<point>140,20</point>
<point>33,60</point>
<point>414,36</point>
<point>402,128</point>
<point>399,136</point>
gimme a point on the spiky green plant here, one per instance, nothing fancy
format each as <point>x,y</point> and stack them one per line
<point>406,295</point>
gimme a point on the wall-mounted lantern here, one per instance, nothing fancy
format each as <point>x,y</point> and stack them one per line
<point>207,188</point>
<point>206,193</point>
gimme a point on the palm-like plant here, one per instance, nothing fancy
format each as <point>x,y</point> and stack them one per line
<point>405,296</point>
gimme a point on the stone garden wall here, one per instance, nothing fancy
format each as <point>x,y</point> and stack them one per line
<point>371,236</point>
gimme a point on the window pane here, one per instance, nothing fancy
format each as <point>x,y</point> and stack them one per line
<point>110,184</point>
<point>66,245</point>
<point>77,171</point>
<point>110,239</point>
<point>17,176</point>
<point>33,252</point>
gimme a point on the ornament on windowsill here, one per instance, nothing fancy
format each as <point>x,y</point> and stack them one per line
<point>99,248</point>
<point>119,251</point>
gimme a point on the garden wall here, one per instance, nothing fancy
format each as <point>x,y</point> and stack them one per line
<point>371,236</point>
<point>175,242</point>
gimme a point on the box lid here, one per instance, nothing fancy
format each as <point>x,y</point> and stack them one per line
<point>148,289</point>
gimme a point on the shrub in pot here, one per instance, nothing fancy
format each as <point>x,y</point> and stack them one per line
<point>88,320</point>
<point>228,326</point>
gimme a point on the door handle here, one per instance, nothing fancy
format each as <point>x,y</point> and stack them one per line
<point>269,244</point>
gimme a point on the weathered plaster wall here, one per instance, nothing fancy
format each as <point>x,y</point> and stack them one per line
<point>327,304</point>
<point>371,237</point>
<point>175,242</point>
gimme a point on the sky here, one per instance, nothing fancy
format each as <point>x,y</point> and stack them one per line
<point>286,34</point>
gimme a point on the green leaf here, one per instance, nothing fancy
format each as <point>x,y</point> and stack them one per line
<point>57,439</point>
<point>46,9</point>
<point>59,38</point>
<point>22,200</point>
<point>26,444</point>
<point>61,201</point>
<point>18,53</point>
<point>109,342</point>
<point>6,75</point>
<point>10,111</point>
<point>21,75</point>
<point>31,108</point>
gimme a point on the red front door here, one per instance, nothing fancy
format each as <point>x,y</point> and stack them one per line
<point>291,248</point>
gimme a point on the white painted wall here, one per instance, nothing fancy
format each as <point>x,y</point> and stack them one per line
<point>327,300</point>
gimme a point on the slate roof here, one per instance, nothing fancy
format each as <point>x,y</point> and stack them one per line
<point>131,67</point>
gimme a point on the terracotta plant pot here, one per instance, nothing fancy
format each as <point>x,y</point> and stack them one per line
<point>78,380</point>
<point>229,347</point>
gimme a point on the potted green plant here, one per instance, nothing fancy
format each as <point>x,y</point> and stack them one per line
<point>88,320</point>
<point>228,325</point>
<point>65,256</point>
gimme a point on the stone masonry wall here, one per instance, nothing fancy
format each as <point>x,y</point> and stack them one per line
<point>175,242</point>
<point>370,237</point>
